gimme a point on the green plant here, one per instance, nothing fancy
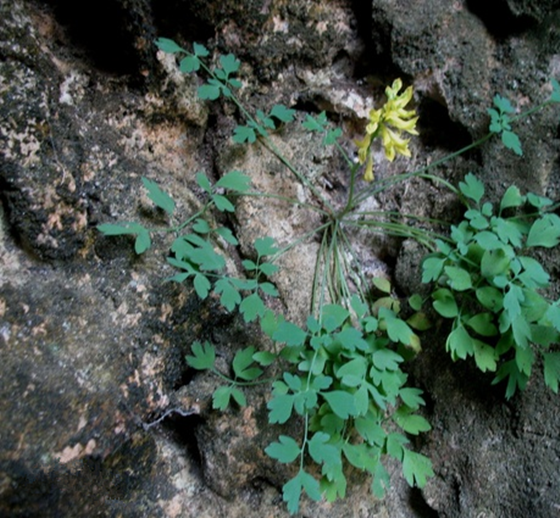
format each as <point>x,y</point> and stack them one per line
<point>343,371</point>
<point>488,282</point>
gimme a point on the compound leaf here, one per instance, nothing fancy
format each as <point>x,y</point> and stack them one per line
<point>230,64</point>
<point>512,300</point>
<point>189,64</point>
<point>201,226</point>
<point>395,445</point>
<point>353,372</point>
<point>208,91</point>
<point>416,468</point>
<point>221,397</point>
<point>168,46</point>
<point>243,134</point>
<point>280,407</point>
<point>332,136</point>
<point>315,124</point>
<point>230,297</point>
<point>511,141</point>
<point>282,113</point>
<point>460,343</point>
<point>380,481</point>
<point>432,268</point>
<point>203,356</point>
<point>359,455</point>
<point>545,232</point>
<point>553,315</point>
<point>491,298</point>
<point>459,279</point>
<point>524,359</point>
<point>235,181</point>
<point>222,203</point>
<point>503,104</point>
<point>290,334</point>
<point>203,182</point>
<point>200,50</point>
<point>227,234</point>
<point>264,358</point>
<point>291,491</point>
<point>397,329</point>
<point>552,367</point>
<point>494,262</point>
<point>386,360</point>
<point>410,423</point>
<point>159,197</point>
<point>268,268</point>
<point>265,246</point>
<point>534,275</point>
<point>444,303</point>
<point>143,242</point>
<point>333,316</point>
<point>252,307</point>
<point>286,450</point>
<point>201,285</point>
<point>484,356</point>
<point>516,379</point>
<point>512,198</point>
<point>238,396</point>
<point>472,188</point>
<point>112,229</point>
<point>268,288</point>
<point>538,202</point>
<point>411,397</point>
<point>370,429</point>
<point>241,362</point>
<point>341,403</point>
<point>321,451</point>
<point>483,324</point>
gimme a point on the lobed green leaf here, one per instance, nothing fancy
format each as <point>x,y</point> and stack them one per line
<point>545,231</point>
<point>286,450</point>
<point>235,181</point>
<point>552,368</point>
<point>203,356</point>
<point>472,188</point>
<point>168,46</point>
<point>416,468</point>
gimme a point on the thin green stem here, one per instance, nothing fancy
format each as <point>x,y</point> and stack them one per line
<point>399,230</point>
<point>327,273</point>
<point>398,215</point>
<point>241,383</point>
<point>360,275</point>
<point>267,141</point>
<point>347,159</point>
<point>342,269</point>
<point>530,111</point>
<point>272,148</point>
<point>306,417</point>
<point>317,269</point>
<point>301,239</point>
<point>292,201</point>
<point>384,183</point>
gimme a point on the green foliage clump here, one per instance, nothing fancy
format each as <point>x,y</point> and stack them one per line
<point>342,374</point>
<point>488,283</point>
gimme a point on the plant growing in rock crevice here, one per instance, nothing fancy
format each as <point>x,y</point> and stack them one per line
<point>344,378</point>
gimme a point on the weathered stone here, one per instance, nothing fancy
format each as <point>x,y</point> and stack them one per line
<point>99,412</point>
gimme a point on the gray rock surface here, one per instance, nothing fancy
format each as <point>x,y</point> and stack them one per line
<point>92,341</point>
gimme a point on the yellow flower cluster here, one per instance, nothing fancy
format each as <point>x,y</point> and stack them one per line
<point>389,122</point>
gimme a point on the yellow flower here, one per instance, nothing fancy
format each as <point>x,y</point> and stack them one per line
<point>389,122</point>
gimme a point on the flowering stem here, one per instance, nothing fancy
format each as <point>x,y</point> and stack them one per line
<point>385,182</point>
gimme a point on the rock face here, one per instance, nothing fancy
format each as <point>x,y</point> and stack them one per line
<point>99,411</point>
